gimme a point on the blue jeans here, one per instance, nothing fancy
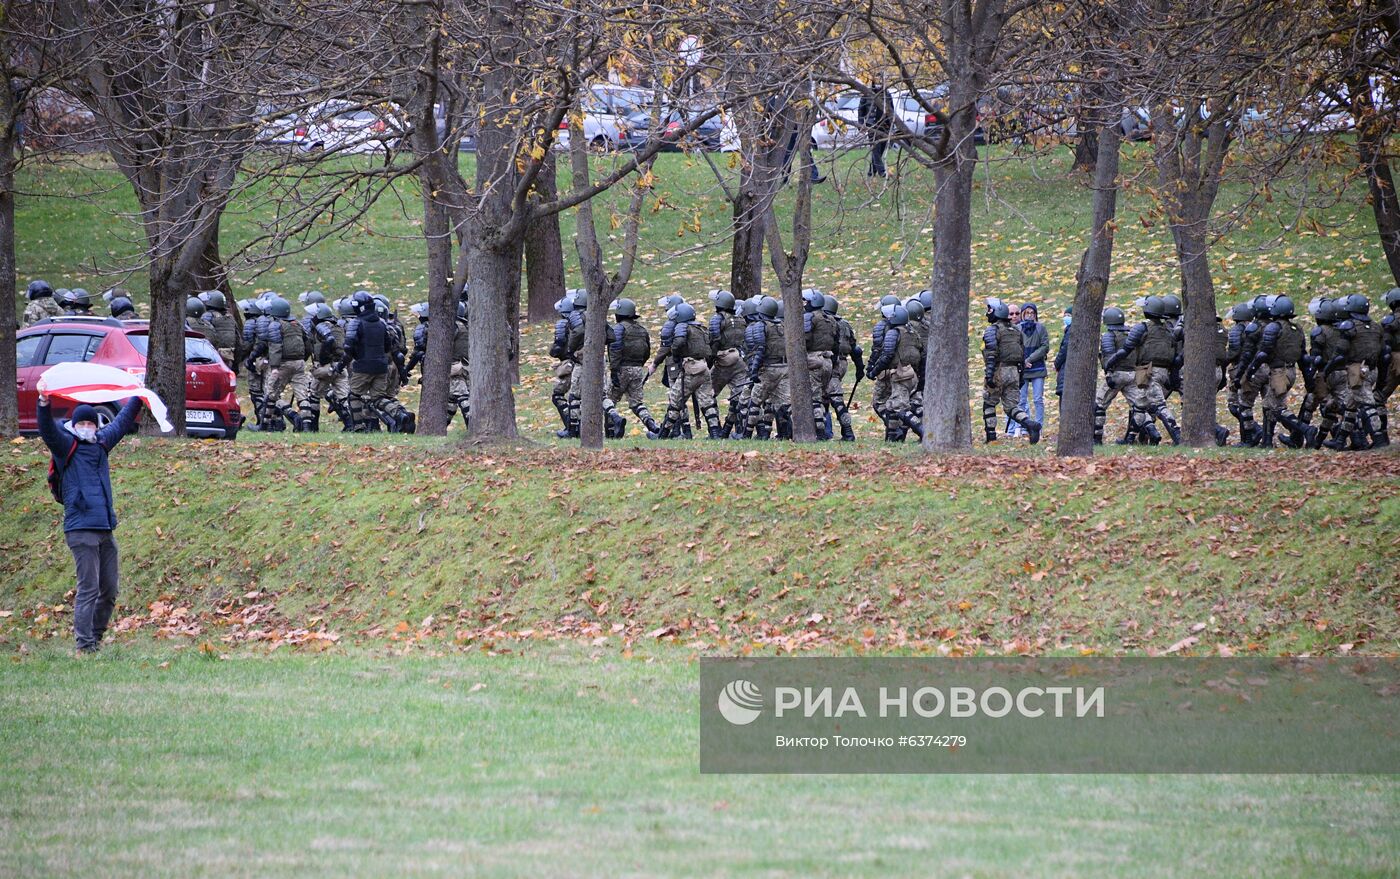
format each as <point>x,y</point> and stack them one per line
<point>1033,387</point>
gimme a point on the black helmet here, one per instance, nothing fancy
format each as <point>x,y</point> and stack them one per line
<point>250,307</point>
<point>782,309</point>
<point>670,301</point>
<point>310,297</point>
<point>997,310</point>
<point>926,298</point>
<point>1154,306</point>
<point>1260,304</point>
<point>1243,312</point>
<point>580,298</point>
<point>889,299</point>
<point>279,308</point>
<point>1281,307</point>
<point>1392,298</point>
<point>1315,306</point>
<point>364,303</point>
<point>345,306</point>
<point>194,307</point>
<point>768,307</point>
<point>1113,316</point>
<point>685,313</point>
<point>39,290</point>
<point>466,291</point>
<point>914,307</point>
<point>1357,305</point>
<point>626,308</point>
<point>830,305</point>
<point>899,316</point>
<point>564,306</point>
<point>382,304</point>
<point>213,299</point>
<point>1171,306</point>
<point>121,305</point>
<point>746,308</point>
<point>1327,311</point>
<point>321,312</point>
<point>813,299</point>
<point>723,300</point>
<point>78,298</point>
<point>420,310</point>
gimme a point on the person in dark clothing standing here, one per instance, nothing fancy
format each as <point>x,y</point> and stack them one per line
<point>876,115</point>
<point>1062,354</point>
<point>80,453</point>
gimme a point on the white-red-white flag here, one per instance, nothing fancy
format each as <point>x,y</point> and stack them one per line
<point>95,383</point>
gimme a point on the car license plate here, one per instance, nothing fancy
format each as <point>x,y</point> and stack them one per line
<point>199,416</point>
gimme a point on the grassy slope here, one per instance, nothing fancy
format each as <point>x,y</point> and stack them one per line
<point>1288,553</point>
<point>160,763</point>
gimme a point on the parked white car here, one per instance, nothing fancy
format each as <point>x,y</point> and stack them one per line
<point>348,127</point>
<point>838,124</point>
<point>605,110</point>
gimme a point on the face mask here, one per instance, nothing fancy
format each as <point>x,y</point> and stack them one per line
<point>1067,320</point>
<point>86,434</point>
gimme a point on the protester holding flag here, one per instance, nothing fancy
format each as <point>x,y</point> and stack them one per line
<point>81,480</point>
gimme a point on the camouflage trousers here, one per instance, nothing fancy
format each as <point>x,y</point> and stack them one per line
<point>1361,410</point>
<point>1155,396</point>
<point>290,374</point>
<point>819,366</point>
<point>730,372</point>
<point>834,395</point>
<point>370,401</point>
<point>459,393</point>
<point>1003,386</point>
<point>691,381</point>
<point>1120,381</point>
<point>769,388</point>
<point>576,382</point>
<point>630,384</point>
<point>559,394</point>
<point>334,388</point>
<point>1277,383</point>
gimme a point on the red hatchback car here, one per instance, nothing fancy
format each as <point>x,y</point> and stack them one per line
<point>211,401</point>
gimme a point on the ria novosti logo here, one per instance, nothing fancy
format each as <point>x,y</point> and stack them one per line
<point>741,702</point>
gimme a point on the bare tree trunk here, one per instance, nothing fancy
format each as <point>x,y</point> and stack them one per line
<point>1198,390</point>
<point>544,252</point>
<point>495,274</point>
<point>746,254</point>
<point>1086,146</point>
<point>165,351</point>
<point>1076,437</point>
<point>9,404</point>
<point>433,411</point>
<point>1385,205</point>
<point>947,423</point>
<point>211,273</point>
<point>590,419</point>
<point>789,268</point>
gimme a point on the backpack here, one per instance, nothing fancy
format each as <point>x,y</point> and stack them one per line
<point>56,474</point>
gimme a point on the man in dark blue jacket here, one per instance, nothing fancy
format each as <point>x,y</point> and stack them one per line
<point>80,451</point>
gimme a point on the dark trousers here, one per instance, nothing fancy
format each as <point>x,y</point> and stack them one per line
<point>877,157</point>
<point>95,555</point>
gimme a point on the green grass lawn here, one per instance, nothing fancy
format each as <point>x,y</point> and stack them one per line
<point>150,761</point>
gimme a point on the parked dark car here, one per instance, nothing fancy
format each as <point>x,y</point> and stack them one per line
<point>671,130</point>
<point>211,388</point>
